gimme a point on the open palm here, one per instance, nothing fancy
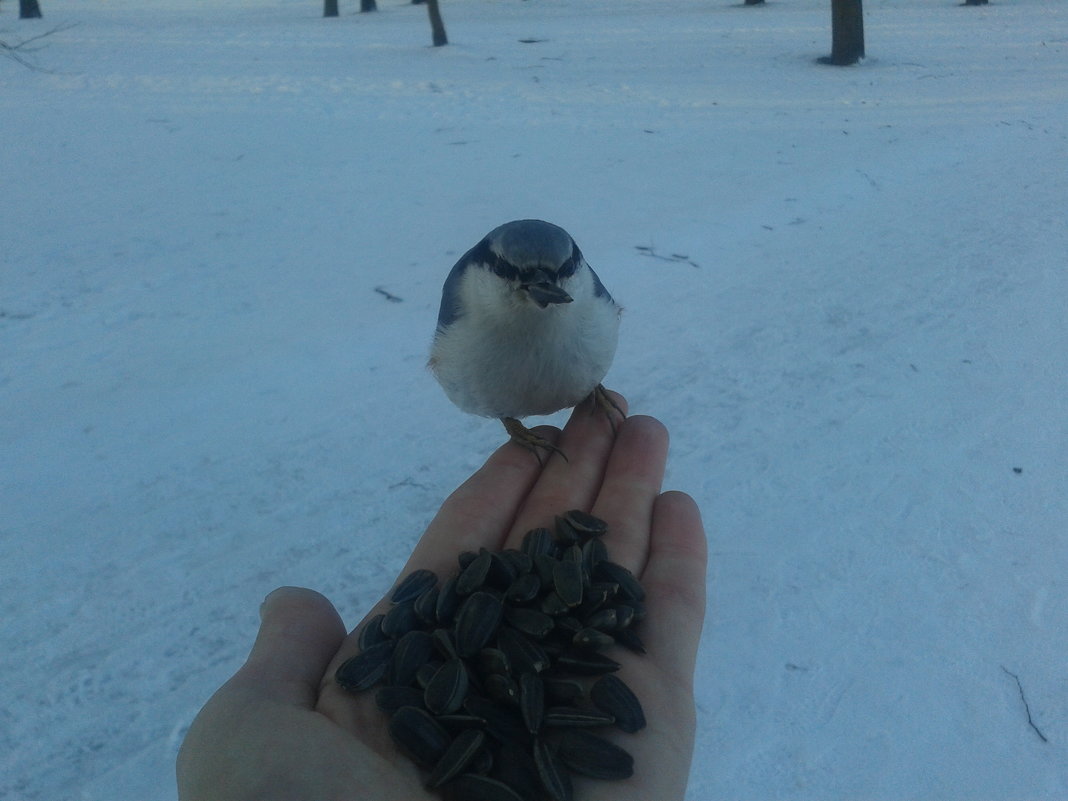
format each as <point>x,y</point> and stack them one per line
<point>281,728</point>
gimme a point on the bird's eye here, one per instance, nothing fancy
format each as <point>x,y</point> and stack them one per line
<point>504,269</point>
<point>567,269</point>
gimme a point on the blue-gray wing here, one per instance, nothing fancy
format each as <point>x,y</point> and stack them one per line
<point>450,291</point>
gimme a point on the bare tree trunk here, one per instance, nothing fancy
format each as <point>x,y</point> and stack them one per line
<point>368,5</point>
<point>437,26</point>
<point>29,9</point>
<point>847,33</point>
<point>330,8</point>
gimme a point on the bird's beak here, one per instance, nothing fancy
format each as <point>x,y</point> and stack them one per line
<point>543,290</point>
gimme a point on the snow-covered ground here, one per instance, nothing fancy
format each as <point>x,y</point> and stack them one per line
<point>845,294</point>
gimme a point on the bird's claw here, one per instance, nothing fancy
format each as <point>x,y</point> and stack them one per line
<point>525,438</point>
<point>600,399</point>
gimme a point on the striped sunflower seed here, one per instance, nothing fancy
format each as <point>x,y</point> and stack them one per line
<point>612,696</point>
<point>414,585</point>
<point>532,701</point>
<point>457,757</point>
<point>585,523</point>
<point>447,688</point>
<point>366,668</point>
<point>476,622</point>
<point>421,737</point>
<point>552,772</point>
<point>411,652</point>
<point>593,756</point>
<point>474,575</point>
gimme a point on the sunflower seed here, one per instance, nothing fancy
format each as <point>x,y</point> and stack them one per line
<point>519,560</point>
<point>628,584</point>
<point>465,558</point>
<point>472,787</point>
<point>412,652</point>
<point>537,541</point>
<point>456,757</point>
<point>611,695</point>
<point>624,615</point>
<point>425,673</point>
<point>573,716</point>
<point>371,633</point>
<point>414,585</point>
<point>592,638</point>
<point>529,621</point>
<point>543,566</point>
<point>525,588</point>
<point>501,572</point>
<point>594,552</point>
<point>476,622</point>
<point>366,668</point>
<point>565,532</point>
<point>400,620</point>
<point>426,606</point>
<point>585,523</point>
<point>552,772</point>
<point>524,654</point>
<point>447,688</point>
<point>448,602</point>
<point>531,701</point>
<point>567,579</point>
<point>564,691</point>
<point>474,575</point>
<point>553,605</point>
<point>629,639</point>
<point>603,619</point>
<point>594,756</point>
<point>586,663</point>
<point>422,737</point>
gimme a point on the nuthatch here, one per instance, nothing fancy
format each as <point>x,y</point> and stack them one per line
<point>525,328</point>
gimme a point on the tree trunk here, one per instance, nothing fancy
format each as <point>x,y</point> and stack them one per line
<point>368,5</point>
<point>29,9</point>
<point>847,33</point>
<point>330,8</point>
<point>437,26</point>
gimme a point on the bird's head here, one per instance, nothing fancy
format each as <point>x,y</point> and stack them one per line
<point>537,259</point>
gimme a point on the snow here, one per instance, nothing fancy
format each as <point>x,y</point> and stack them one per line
<point>844,291</point>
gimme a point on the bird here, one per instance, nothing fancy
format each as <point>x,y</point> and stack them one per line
<point>525,328</point>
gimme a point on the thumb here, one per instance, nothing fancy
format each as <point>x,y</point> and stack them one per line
<point>300,631</point>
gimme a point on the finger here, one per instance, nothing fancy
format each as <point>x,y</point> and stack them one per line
<point>587,440</point>
<point>483,509</point>
<point>300,631</point>
<point>630,487</point>
<point>674,579</point>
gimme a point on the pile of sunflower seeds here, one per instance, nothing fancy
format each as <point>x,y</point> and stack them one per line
<point>494,680</point>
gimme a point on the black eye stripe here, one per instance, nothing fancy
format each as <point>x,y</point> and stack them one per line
<point>504,268</point>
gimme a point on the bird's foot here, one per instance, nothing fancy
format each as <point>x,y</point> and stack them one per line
<point>525,438</point>
<point>600,399</point>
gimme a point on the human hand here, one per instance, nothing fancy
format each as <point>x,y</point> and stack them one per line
<point>282,729</point>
